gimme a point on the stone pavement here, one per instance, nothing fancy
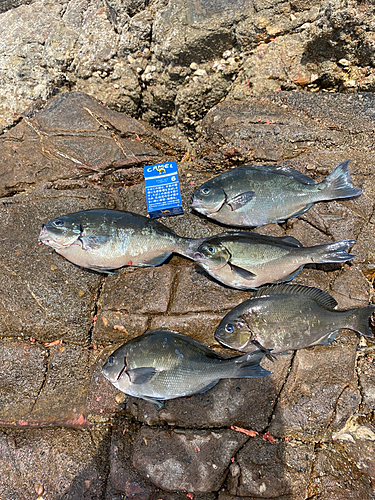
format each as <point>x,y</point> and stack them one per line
<point>62,434</point>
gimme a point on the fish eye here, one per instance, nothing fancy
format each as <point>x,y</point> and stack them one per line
<point>205,190</point>
<point>59,222</point>
<point>211,249</point>
<point>229,328</point>
<point>111,360</point>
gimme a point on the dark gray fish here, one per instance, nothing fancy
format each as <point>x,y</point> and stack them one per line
<point>161,364</point>
<point>252,196</point>
<point>247,260</point>
<point>104,240</point>
<point>289,317</point>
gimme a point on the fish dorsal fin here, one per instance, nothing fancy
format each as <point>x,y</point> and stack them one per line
<point>249,235</point>
<point>322,298</point>
<point>290,241</point>
<point>287,171</point>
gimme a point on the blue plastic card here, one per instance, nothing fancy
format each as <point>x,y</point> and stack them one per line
<point>163,194</point>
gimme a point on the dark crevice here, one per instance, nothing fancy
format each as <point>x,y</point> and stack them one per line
<point>108,462</point>
<point>271,417</point>
<point>95,310</point>
<point>173,289</point>
<point>46,373</point>
<point>334,410</point>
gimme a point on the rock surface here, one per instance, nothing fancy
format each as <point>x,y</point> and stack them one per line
<point>307,430</point>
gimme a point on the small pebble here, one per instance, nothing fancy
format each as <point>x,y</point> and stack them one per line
<point>39,489</point>
<point>120,398</point>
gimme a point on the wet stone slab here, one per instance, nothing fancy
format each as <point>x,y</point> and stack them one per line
<point>263,469</point>
<point>185,460</point>
<point>318,404</point>
<point>321,392</point>
<point>334,476</point>
<point>53,463</point>
<point>43,385</point>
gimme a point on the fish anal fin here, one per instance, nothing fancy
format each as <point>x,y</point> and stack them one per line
<point>155,261</point>
<point>240,200</point>
<point>327,339</point>
<point>157,402</point>
<point>322,298</point>
<point>141,375</point>
<point>244,273</point>
<point>303,210</point>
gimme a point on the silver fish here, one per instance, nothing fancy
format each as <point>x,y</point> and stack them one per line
<point>104,240</point>
<point>252,196</point>
<point>161,365</point>
<point>289,317</point>
<point>247,260</point>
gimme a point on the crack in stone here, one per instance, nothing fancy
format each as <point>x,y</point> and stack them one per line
<point>95,310</point>
<point>173,289</point>
<point>310,485</point>
<point>271,417</point>
<point>44,382</point>
<point>334,411</point>
<point>108,462</point>
<point>360,356</point>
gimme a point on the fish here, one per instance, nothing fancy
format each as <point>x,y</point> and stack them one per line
<point>162,364</point>
<point>104,240</point>
<point>252,196</point>
<point>246,260</point>
<point>289,317</point>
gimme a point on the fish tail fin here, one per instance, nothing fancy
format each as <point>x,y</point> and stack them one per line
<point>247,365</point>
<point>359,318</point>
<point>331,252</point>
<point>337,184</point>
<point>187,246</point>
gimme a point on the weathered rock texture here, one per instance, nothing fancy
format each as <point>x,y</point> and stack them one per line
<point>169,62</point>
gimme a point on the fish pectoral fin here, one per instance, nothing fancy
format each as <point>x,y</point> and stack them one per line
<point>93,242</point>
<point>244,273</point>
<point>141,375</point>
<point>240,200</point>
<point>267,352</point>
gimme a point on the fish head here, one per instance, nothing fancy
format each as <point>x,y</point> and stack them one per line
<point>208,198</point>
<point>211,254</point>
<point>114,370</point>
<point>60,232</point>
<point>234,333</point>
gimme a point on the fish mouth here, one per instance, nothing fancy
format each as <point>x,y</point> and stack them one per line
<point>231,346</point>
<point>43,233</point>
<point>200,206</point>
<point>198,256</point>
<point>46,238</point>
